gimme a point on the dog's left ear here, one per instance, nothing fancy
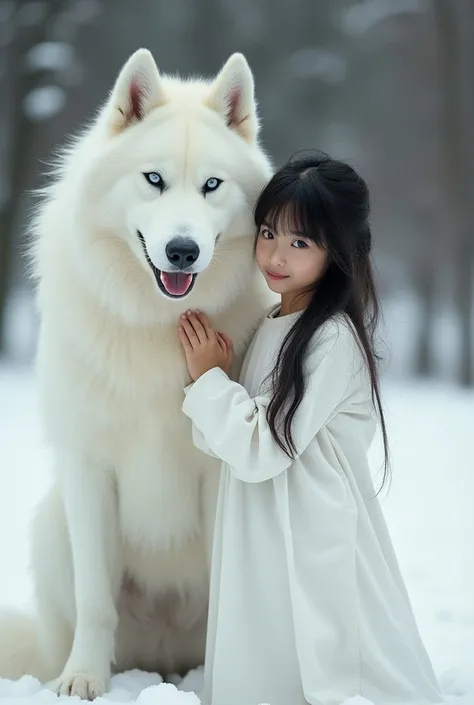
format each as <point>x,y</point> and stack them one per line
<point>138,89</point>
<point>232,95</point>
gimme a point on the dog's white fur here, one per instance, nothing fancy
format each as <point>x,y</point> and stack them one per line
<point>121,543</point>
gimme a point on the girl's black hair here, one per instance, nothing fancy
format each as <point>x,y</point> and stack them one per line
<point>329,202</point>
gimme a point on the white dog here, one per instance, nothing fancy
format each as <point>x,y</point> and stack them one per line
<point>150,214</point>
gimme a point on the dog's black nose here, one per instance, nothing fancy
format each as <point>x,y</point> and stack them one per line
<point>182,252</point>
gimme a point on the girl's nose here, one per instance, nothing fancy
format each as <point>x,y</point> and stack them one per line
<point>277,259</point>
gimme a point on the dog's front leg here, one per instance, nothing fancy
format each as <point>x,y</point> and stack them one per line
<point>90,501</point>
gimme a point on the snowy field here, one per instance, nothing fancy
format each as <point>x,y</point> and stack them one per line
<point>428,507</point>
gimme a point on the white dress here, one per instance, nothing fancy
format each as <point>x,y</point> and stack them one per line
<point>307,601</point>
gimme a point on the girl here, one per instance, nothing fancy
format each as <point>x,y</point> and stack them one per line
<point>307,602</point>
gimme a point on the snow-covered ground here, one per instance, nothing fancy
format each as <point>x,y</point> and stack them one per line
<point>428,507</point>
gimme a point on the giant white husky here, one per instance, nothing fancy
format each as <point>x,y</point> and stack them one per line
<point>150,213</point>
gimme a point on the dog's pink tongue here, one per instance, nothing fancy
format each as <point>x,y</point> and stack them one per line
<point>176,283</point>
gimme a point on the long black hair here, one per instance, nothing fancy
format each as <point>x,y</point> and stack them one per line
<point>329,202</point>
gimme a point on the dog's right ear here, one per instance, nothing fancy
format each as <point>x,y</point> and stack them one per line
<point>138,89</point>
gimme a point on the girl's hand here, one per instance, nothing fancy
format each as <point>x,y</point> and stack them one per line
<point>203,346</point>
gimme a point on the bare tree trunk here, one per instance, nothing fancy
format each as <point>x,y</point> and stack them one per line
<point>456,172</point>
<point>426,279</point>
<point>467,252</point>
<point>21,136</point>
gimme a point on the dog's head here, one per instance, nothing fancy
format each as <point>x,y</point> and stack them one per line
<point>170,172</point>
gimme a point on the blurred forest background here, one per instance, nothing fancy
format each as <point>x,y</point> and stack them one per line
<point>386,84</point>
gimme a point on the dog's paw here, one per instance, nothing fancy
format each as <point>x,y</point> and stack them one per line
<point>87,686</point>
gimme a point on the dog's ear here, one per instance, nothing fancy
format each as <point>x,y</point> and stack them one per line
<point>232,95</point>
<point>138,89</point>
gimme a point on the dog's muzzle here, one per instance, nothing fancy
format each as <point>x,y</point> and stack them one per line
<point>182,253</point>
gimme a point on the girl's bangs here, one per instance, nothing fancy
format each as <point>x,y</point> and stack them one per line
<point>290,210</point>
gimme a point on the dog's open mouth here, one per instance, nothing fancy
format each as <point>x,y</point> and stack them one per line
<point>176,284</point>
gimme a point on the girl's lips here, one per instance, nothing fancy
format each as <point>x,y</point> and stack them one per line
<point>273,275</point>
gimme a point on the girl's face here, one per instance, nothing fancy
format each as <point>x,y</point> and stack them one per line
<point>290,262</point>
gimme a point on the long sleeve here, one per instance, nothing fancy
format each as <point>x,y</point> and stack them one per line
<point>198,438</point>
<point>234,425</point>
<point>200,442</point>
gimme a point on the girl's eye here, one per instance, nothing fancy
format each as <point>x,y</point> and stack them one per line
<point>300,244</point>
<point>266,234</point>
<point>211,184</point>
<point>155,179</point>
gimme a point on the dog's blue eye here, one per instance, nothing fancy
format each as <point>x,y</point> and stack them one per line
<point>211,184</point>
<point>155,179</point>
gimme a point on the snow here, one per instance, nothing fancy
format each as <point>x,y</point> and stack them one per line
<point>428,508</point>
<point>365,15</point>
<point>134,686</point>
<point>50,56</point>
<point>44,103</point>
